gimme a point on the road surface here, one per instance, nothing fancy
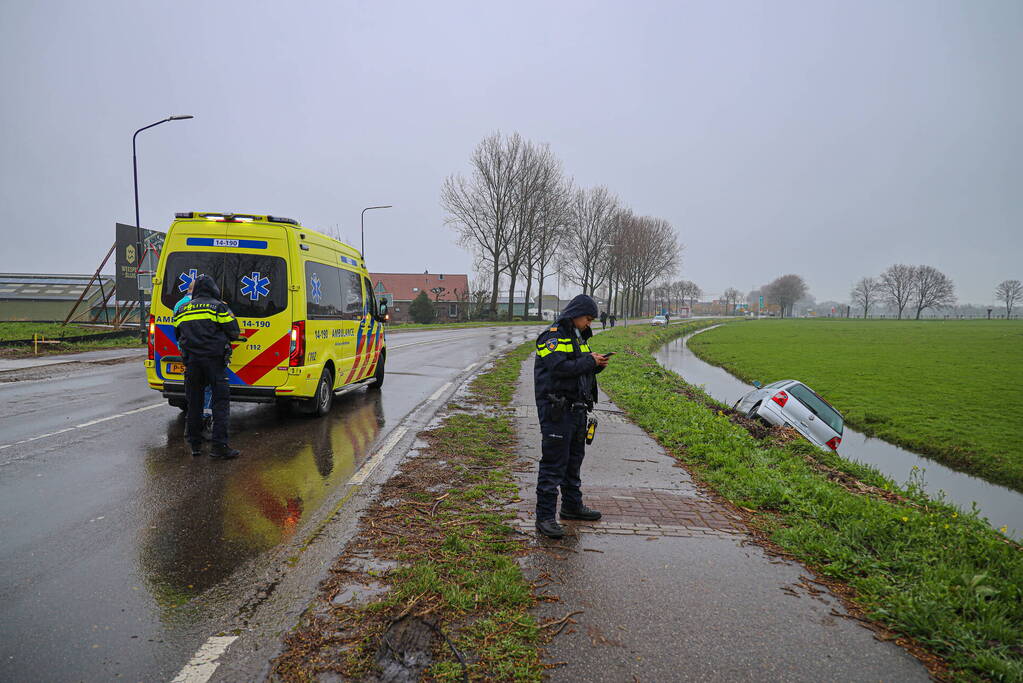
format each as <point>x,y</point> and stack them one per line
<point>123,555</point>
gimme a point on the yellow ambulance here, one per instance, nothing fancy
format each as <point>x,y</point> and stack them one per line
<point>310,323</point>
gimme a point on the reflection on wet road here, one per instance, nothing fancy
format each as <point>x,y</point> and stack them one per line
<point>120,549</point>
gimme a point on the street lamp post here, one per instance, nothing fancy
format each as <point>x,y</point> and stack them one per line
<point>138,228</point>
<point>362,227</point>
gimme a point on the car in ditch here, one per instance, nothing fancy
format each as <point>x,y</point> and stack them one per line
<point>659,320</point>
<point>790,403</point>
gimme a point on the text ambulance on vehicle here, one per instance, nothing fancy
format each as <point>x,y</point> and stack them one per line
<point>310,324</point>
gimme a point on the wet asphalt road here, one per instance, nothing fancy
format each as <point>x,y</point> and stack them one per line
<point>119,548</point>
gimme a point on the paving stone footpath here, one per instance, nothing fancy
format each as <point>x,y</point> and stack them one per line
<point>669,586</point>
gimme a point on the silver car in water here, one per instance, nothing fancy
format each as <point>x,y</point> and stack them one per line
<point>790,403</point>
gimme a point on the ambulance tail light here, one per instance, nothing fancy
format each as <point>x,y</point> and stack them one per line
<point>151,337</point>
<point>296,353</point>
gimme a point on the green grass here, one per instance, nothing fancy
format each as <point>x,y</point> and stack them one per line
<point>921,568</point>
<point>952,390</point>
<point>22,330</point>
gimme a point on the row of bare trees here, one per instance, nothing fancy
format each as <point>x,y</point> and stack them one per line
<point>524,220</point>
<point>901,286</point>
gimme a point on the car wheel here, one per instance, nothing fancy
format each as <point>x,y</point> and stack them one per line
<point>319,405</point>
<point>752,412</point>
<point>378,376</point>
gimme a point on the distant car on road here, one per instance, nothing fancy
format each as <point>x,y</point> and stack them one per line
<point>790,403</point>
<point>659,320</point>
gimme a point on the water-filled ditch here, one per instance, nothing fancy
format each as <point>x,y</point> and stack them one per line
<point>1002,506</point>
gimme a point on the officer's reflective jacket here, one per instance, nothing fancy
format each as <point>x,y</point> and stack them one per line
<point>564,366</point>
<point>205,325</point>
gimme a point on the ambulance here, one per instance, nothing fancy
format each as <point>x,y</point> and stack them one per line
<point>310,324</point>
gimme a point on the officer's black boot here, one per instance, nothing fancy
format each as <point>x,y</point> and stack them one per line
<point>549,528</point>
<point>196,449</point>
<point>223,452</point>
<point>581,512</point>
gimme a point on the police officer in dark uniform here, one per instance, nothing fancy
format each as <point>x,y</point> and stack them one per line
<point>564,377</point>
<point>205,328</point>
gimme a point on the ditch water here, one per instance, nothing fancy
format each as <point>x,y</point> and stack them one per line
<point>1000,505</point>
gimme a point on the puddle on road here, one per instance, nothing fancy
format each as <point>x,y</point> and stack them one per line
<point>1001,505</point>
<point>291,464</point>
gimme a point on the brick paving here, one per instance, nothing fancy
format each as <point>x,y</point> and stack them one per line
<point>645,512</point>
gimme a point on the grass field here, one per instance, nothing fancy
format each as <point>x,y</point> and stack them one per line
<point>20,330</point>
<point>952,390</point>
<point>922,568</point>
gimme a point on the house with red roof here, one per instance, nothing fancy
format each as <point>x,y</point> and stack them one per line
<point>449,293</point>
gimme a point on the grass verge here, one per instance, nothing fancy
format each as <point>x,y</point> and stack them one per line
<point>947,389</point>
<point>917,566</point>
<point>437,547</point>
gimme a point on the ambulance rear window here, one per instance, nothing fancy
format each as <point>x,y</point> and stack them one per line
<point>253,285</point>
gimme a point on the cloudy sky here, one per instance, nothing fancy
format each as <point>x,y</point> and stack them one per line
<point>828,139</point>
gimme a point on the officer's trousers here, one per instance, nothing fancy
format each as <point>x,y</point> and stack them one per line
<point>564,446</point>
<point>200,373</point>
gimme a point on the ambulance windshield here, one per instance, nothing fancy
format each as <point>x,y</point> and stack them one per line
<point>253,285</point>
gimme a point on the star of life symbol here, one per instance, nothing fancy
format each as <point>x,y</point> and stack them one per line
<point>187,279</point>
<point>316,293</point>
<point>255,286</point>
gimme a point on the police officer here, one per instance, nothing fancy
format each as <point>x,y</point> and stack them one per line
<point>564,377</point>
<point>205,328</point>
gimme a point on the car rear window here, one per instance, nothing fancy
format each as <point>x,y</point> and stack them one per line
<point>253,285</point>
<point>817,405</point>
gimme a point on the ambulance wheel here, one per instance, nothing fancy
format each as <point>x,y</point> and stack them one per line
<point>319,404</point>
<point>378,376</point>
<point>179,403</point>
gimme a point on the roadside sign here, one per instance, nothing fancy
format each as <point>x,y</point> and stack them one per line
<point>761,301</point>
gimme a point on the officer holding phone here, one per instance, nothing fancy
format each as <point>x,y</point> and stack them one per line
<point>564,377</point>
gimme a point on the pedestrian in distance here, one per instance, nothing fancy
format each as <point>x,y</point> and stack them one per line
<point>603,320</point>
<point>565,385</point>
<point>205,328</point>
<point>612,319</point>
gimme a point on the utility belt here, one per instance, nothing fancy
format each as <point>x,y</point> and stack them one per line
<point>562,404</point>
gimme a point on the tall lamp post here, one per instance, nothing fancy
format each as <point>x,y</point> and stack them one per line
<point>362,227</point>
<point>138,229</point>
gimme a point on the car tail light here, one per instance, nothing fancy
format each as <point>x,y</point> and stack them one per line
<point>296,353</point>
<point>781,398</point>
<point>833,443</point>
<point>151,337</point>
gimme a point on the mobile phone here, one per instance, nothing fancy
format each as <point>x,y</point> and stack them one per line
<point>609,354</point>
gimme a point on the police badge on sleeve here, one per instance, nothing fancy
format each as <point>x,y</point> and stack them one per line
<point>552,344</point>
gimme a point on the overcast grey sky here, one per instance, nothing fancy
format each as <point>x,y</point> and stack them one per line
<point>828,139</point>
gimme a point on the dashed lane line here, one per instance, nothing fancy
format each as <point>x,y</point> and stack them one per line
<point>201,667</point>
<point>83,425</point>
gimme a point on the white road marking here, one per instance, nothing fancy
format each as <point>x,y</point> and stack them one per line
<point>83,425</point>
<point>435,395</point>
<point>371,464</point>
<point>431,341</point>
<point>201,667</point>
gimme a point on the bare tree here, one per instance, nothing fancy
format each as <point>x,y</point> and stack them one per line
<point>1009,291</point>
<point>690,291</point>
<point>786,291</point>
<point>866,292</point>
<point>480,207</point>
<point>931,288</point>
<point>897,286</point>
<point>592,223</point>
<point>731,297</point>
